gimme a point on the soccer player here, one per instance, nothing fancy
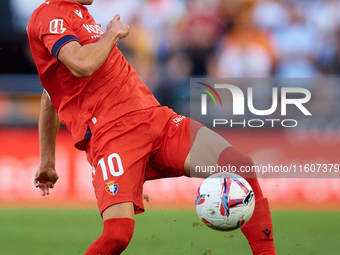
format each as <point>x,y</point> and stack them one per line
<point>112,116</point>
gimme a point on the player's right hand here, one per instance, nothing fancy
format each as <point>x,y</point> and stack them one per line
<point>121,29</point>
<point>44,179</point>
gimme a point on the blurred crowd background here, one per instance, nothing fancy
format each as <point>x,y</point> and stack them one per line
<point>173,40</point>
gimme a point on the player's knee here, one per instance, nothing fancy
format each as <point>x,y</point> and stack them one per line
<point>248,165</point>
<point>246,160</point>
<point>118,234</point>
<point>239,163</point>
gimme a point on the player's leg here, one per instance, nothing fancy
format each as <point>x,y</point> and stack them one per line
<point>118,229</point>
<point>119,157</point>
<point>209,149</point>
<point>187,144</point>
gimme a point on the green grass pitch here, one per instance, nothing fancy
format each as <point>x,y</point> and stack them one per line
<point>61,231</point>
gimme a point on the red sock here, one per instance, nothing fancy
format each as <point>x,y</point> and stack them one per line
<point>115,238</point>
<point>258,230</point>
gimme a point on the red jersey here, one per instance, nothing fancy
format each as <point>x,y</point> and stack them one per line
<point>83,104</point>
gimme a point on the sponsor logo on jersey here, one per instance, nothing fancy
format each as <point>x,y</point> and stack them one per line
<point>111,188</point>
<point>78,12</point>
<point>57,26</point>
<point>178,119</point>
<point>96,29</point>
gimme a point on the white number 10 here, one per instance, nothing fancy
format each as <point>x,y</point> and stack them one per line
<point>111,166</point>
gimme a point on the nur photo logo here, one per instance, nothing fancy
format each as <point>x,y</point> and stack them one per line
<point>204,97</point>
<point>283,100</point>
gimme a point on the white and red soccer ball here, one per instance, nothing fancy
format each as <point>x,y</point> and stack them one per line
<point>225,201</point>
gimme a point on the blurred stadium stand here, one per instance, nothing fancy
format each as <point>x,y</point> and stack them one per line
<point>19,99</point>
<point>172,40</point>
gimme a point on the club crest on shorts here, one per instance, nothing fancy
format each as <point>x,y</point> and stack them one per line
<point>111,188</point>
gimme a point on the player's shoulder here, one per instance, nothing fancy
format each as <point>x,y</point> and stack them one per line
<point>47,9</point>
<point>60,9</point>
<point>46,12</point>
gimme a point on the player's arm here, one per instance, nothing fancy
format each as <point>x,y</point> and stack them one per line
<point>48,125</point>
<point>84,60</point>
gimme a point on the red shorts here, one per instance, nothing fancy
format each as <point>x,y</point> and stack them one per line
<point>139,146</point>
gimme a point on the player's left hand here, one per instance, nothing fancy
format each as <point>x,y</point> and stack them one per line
<point>44,179</point>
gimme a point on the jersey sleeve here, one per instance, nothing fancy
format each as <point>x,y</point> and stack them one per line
<point>53,29</point>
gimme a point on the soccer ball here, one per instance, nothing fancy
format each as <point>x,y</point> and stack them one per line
<point>225,201</point>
